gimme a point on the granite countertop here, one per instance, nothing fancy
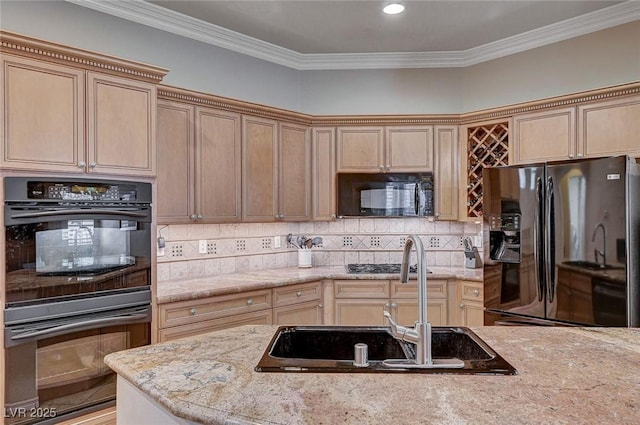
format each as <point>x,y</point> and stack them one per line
<point>565,376</point>
<point>188,289</point>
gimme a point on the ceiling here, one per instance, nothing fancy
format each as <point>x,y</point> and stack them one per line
<point>310,34</point>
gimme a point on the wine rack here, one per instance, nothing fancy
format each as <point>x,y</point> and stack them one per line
<point>487,146</point>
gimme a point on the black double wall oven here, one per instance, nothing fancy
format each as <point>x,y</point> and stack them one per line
<point>77,287</point>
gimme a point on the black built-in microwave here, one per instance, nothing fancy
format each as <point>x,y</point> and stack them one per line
<point>385,194</point>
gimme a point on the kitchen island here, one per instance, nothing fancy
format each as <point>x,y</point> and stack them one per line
<point>565,376</point>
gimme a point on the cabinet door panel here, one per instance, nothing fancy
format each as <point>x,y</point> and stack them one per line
<point>259,169</point>
<point>294,183</point>
<point>218,165</point>
<point>446,173</point>
<point>324,173</point>
<point>360,312</point>
<point>42,115</point>
<point>360,149</point>
<point>298,314</point>
<point>544,136</point>
<point>610,128</point>
<point>121,125</point>
<point>175,198</point>
<point>409,148</point>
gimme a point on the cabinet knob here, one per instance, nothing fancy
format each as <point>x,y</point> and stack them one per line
<point>394,305</point>
<point>199,216</point>
<point>580,155</point>
<point>476,292</point>
<point>82,164</point>
<point>388,167</point>
<point>193,312</point>
<point>193,217</point>
<point>92,164</point>
<point>249,301</point>
<point>320,305</point>
<point>298,294</point>
<point>461,305</point>
<point>381,167</point>
<point>570,155</point>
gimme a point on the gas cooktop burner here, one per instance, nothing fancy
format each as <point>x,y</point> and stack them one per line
<point>378,268</point>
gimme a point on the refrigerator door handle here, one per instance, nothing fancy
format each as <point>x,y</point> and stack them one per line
<point>551,246</point>
<point>538,251</point>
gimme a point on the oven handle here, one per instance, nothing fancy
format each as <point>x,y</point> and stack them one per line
<point>88,212</point>
<point>80,326</point>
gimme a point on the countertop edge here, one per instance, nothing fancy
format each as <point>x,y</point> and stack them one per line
<point>228,284</point>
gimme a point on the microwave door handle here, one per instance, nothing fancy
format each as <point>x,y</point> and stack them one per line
<point>86,212</point>
<point>79,326</point>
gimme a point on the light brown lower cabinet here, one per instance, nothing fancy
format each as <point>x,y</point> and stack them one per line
<point>293,304</point>
<point>363,302</point>
<point>470,301</point>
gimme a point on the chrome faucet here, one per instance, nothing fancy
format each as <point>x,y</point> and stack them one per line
<point>597,252</point>
<point>420,334</point>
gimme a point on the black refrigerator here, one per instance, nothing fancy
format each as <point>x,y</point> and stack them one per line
<point>562,243</point>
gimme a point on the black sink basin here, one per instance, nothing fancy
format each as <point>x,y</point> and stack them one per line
<point>589,265</point>
<point>331,349</point>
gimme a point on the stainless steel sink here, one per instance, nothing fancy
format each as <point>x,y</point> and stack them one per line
<point>589,265</point>
<point>331,349</point>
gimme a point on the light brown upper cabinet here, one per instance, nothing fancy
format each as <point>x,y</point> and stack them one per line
<point>198,164</point>
<point>446,172</point>
<point>59,118</point>
<point>276,170</point>
<point>385,149</point>
<point>610,127</point>
<point>324,173</point>
<point>588,130</point>
<point>544,136</point>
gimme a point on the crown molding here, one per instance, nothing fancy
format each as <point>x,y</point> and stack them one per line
<point>166,20</point>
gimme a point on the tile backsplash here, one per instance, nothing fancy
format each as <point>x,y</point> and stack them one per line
<point>198,250</point>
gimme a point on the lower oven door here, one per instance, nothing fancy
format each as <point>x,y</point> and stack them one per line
<point>56,369</point>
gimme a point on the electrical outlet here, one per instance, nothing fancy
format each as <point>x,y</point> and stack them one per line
<point>160,252</point>
<point>202,246</point>
<point>276,241</point>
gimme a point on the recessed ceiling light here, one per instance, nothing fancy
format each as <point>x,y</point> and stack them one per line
<point>393,9</point>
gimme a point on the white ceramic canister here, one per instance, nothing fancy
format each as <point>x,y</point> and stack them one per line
<point>304,258</point>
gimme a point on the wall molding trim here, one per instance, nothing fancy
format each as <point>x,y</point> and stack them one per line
<point>34,48</point>
<point>154,16</point>
<point>503,112</point>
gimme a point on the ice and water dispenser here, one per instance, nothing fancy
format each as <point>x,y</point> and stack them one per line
<point>504,238</point>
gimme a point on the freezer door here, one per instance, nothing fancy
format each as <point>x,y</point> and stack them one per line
<point>586,224</point>
<point>513,218</point>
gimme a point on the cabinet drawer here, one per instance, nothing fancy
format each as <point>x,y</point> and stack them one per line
<point>435,289</point>
<point>361,288</point>
<point>471,291</point>
<point>256,318</point>
<point>295,294</point>
<point>184,312</point>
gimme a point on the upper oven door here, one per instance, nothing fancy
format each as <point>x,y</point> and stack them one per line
<point>55,250</point>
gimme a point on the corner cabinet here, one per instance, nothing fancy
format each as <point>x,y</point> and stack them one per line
<point>198,147</point>
<point>64,119</point>
<point>276,171</point>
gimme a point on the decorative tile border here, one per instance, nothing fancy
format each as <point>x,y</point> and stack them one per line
<point>252,246</point>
